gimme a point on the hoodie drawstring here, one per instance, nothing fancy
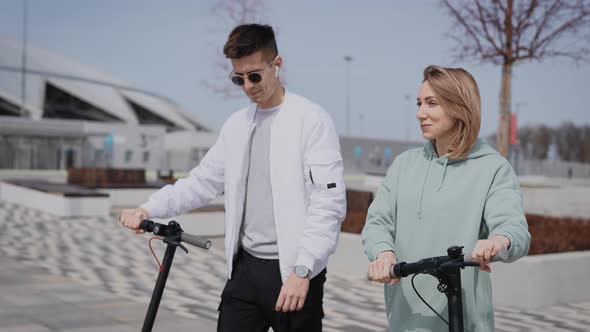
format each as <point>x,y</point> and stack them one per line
<point>442,180</point>
<point>422,190</point>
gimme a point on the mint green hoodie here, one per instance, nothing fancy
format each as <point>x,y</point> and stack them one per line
<point>427,204</point>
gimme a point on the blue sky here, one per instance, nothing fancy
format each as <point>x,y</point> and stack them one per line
<point>169,47</point>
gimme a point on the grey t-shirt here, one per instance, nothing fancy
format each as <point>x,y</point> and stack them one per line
<point>258,233</point>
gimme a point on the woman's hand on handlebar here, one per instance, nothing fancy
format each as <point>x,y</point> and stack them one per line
<point>484,250</point>
<point>380,267</point>
<point>132,218</point>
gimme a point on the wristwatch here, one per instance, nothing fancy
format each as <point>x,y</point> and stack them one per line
<point>302,271</point>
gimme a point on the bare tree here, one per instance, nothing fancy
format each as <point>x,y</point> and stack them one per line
<point>525,140</point>
<point>567,140</point>
<point>541,139</point>
<point>573,143</point>
<point>507,32</point>
<point>231,13</point>
<point>585,144</point>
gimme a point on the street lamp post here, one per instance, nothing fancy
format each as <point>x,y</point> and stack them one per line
<point>361,118</point>
<point>348,60</point>
<point>407,116</point>
<point>24,62</point>
<point>516,148</point>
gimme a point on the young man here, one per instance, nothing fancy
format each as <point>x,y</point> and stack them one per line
<point>278,163</point>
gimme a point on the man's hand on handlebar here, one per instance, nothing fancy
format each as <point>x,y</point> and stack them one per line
<point>380,267</point>
<point>132,218</point>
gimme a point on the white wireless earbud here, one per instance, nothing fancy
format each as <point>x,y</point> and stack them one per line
<point>277,71</point>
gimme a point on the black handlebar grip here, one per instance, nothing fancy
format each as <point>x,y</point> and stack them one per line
<point>196,241</point>
<point>147,225</point>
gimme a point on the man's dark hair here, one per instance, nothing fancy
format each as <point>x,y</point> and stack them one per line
<point>249,38</point>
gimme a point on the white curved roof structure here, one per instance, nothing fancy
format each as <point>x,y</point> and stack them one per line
<point>57,87</point>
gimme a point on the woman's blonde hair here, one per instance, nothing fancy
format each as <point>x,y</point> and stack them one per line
<point>458,95</point>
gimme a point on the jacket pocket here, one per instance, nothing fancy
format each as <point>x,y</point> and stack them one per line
<point>323,171</point>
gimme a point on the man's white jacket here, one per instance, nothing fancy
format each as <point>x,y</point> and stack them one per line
<point>306,178</point>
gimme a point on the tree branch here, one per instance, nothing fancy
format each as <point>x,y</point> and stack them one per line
<point>482,29</point>
<point>232,13</point>
<point>475,48</point>
<point>482,14</point>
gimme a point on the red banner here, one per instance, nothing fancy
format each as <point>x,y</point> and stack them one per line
<point>513,129</point>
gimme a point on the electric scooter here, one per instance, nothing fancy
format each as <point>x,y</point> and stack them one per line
<point>173,237</point>
<point>447,269</point>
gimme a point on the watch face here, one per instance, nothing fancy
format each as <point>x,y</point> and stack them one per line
<point>301,271</point>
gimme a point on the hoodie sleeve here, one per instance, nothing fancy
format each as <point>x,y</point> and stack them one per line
<point>204,183</point>
<point>504,213</point>
<point>379,232</point>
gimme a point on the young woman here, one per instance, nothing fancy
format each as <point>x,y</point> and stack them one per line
<point>456,190</point>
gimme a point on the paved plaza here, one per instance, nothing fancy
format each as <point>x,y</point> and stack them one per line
<point>89,274</point>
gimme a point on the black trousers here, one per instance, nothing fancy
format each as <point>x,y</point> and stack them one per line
<point>249,297</point>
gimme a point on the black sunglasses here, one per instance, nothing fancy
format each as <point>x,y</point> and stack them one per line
<point>252,77</point>
<point>255,77</point>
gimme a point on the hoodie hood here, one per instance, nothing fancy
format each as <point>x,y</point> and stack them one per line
<point>480,149</point>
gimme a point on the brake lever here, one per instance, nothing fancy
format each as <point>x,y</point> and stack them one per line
<point>175,240</point>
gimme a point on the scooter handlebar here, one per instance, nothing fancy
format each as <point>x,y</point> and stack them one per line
<point>174,229</point>
<point>403,269</point>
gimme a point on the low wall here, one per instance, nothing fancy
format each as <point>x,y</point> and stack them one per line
<point>357,203</point>
<point>55,203</point>
<point>106,177</point>
<point>133,197</point>
<point>558,234</point>
<point>207,224</point>
<point>128,197</point>
<point>542,280</point>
